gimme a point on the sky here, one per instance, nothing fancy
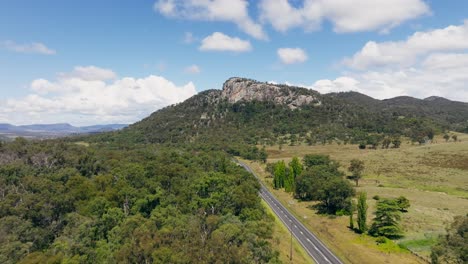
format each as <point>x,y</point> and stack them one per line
<point>117,61</point>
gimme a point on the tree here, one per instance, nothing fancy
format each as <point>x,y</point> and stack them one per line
<point>279,175</point>
<point>373,140</point>
<point>453,247</point>
<point>281,143</point>
<point>325,185</point>
<point>430,134</point>
<point>334,195</point>
<point>387,219</point>
<point>386,143</point>
<point>396,141</point>
<point>262,155</point>
<point>446,137</point>
<point>352,207</point>
<point>288,180</point>
<point>362,212</point>
<point>296,167</point>
<point>311,160</point>
<point>356,167</point>
<point>293,140</point>
<point>403,203</point>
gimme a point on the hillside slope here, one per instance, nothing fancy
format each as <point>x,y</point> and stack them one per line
<point>247,112</point>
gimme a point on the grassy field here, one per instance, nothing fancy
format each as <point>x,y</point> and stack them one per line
<point>281,242</point>
<point>434,177</point>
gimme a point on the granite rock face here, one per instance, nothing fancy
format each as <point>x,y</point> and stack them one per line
<point>241,89</point>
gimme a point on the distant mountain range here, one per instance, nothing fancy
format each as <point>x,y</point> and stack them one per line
<point>53,130</point>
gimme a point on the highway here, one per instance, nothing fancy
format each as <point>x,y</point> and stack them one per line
<point>312,245</point>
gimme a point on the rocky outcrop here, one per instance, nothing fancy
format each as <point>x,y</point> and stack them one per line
<point>241,89</point>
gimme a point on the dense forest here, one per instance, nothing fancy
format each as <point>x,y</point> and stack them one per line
<point>69,203</point>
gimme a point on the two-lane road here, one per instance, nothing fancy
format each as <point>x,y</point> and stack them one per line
<point>312,245</point>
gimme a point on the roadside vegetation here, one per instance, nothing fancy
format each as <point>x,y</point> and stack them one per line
<point>415,211</point>
<point>100,203</point>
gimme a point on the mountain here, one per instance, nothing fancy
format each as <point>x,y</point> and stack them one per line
<point>53,130</point>
<point>61,128</point>
<point>6,127</point>
<point>101,128</point>
<point>246,112</point>
<point>449,113</point>
<point>357,98</point>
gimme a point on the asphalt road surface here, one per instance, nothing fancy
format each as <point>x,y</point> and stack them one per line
<point>312,245</point>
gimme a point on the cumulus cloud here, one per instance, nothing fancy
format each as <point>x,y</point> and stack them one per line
<point>90,73</point>
<point>345,15</point>
<point>193,69</point>
<point>292,55</point>
<point>221,42</point>
<point>407,52</point>
<point>377,88</point>
<point>283,16</point>
<point>35,47</point>
<point>338,85</point>
<point>427,63</point>
<point>446,61</point>
<point>82,100</point>
<point>235,11</point>
<point>439,74</point>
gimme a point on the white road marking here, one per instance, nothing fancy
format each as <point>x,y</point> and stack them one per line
<point>265,194</point>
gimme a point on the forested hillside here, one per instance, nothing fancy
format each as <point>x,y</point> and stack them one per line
<point>247,113</point>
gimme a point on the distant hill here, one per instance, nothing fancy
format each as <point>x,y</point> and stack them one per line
<point>445,112</point>
<point>247,112</point>
<point>53,130</point>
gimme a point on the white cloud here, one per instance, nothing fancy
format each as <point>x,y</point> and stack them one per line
<point>439,74</point>
<point>221,42</point>
<point>43,86</point>
<point>292,55</point>
<point>338,85</point>
<point>345,15</point>
<point>235,11</point>
<point>433,62</point>
<point>34,47</point>
<point>405,53</point>
<point>446,61</point>
<point>283,16</point>
<point>90,73</point>
<point>193,69</point>
<point>83,101</point>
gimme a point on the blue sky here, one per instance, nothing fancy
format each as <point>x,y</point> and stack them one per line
<point>88,62</point>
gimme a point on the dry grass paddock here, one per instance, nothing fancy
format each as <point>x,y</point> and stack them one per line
<point>434,177</point>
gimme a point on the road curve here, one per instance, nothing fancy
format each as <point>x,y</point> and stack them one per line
<point>312,245</point>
